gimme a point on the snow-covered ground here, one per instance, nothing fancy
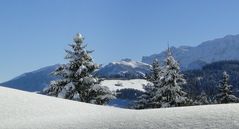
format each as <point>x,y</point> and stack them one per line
<point>133,84</point>
<point>24,110</point>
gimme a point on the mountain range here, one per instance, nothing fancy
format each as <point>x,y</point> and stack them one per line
<point>226,48</point>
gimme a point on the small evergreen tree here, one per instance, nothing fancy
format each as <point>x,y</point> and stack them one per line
<point>77,82</point>
<point>202,99</point>
<point>170,91</point>
<point>225,92</point>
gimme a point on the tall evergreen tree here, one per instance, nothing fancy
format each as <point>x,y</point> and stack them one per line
<point>225,92</point>
<point>155,74</point>
<point>170,90</point>
<point>146,100</point>
<point>77,81</point>
<point>166,89</point>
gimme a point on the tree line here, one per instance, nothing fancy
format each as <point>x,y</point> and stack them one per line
<point>77,82</point>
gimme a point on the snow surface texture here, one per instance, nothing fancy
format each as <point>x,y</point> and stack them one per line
<point>125,84</point>
<point>24,110</point>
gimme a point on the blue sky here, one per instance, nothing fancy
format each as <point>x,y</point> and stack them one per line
<point>34,33</point>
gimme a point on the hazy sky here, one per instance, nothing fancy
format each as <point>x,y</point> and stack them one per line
<point>34,33</point>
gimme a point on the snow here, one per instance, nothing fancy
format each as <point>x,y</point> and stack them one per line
<point>78,38</point>
<point>131,63</point>
<point>132,84</point>
<point>25,110</point>
<point>124,68</point>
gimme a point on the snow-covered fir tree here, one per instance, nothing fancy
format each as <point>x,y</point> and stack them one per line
<point>202,99</point>
<point>170,93</point>
<point>155,72</point>
<point>145,100</point>
<point>225,91</point>
<point>166,88</point>
<point>77,81</point>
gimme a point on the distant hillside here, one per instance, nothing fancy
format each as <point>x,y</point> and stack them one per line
<point>208,77</point>
<point>226,48</point>
<point>32,81</point>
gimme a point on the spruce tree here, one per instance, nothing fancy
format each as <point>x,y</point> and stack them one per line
<point>225,92</point>
<point>154,100</point>
<point>170,91</point>
<point>155,72</point>
<point>202,99</point>
<point>166,88</point>
<point>146,100</point>
<point>76,80</point>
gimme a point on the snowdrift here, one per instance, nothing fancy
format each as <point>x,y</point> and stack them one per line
<point>23,110</point>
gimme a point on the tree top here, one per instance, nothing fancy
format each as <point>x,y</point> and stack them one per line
<point>78,38</point>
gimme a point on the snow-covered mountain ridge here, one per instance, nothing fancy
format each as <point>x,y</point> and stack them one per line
<point>55,113</point>
<point>226,48</point>
<point>125,68</point>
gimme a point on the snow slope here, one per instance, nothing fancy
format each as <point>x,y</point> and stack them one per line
<point>125,84</point>
<point>24,110</point>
